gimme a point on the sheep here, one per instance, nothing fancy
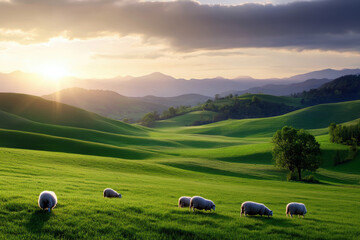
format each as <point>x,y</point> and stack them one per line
<point>201,203</point>
<point>253,208</point>
<point>110,193</point>
<point>184,202</point>
<point>294,208</point>
<point>47,200</point>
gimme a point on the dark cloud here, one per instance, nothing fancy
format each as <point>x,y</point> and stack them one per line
<point>187,25</point>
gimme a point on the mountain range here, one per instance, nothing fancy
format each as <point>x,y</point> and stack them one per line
<point>113,105</point>
<point>156,84</point>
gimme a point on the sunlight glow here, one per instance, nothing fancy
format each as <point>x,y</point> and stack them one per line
<point>54,72</point>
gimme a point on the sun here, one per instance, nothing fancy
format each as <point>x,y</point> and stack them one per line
<point>54,72</point>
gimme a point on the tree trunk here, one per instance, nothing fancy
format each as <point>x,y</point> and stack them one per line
<point>299,172</point>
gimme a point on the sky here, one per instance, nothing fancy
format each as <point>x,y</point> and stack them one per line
<point>184,39</point>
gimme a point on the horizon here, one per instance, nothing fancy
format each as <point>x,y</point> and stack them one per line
<point>238,77</point>
<point>257,38</point>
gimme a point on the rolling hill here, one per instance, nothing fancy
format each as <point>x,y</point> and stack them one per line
<point>106,103</point>
<point>49,112</point>
<point>81,153</point>
<point>345,88</point>
<point>182,100</point>
<point>315,117</point>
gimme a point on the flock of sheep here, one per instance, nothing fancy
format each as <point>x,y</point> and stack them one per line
<point>247,208</point>
<point>48,200</point>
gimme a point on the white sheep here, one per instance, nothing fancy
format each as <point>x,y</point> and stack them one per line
<point>201,203</point>
<point>110,193</point>
<point>47,200</point>
<point>184,202</point>
<point>294,208</point>
<point>253,208</point>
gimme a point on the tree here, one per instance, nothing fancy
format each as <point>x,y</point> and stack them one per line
<point>296,150</point>
<point>149,119</point>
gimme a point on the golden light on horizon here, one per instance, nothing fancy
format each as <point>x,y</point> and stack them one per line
<point>53,72</point>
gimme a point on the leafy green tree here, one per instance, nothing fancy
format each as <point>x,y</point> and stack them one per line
<point>149,119</point>
<point>296,150</point>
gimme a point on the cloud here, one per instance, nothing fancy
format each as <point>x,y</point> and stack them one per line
<point>189,25</point>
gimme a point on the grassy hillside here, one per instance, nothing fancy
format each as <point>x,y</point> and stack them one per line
<point>295,102</point>
<point>152,168</point>
<point>185,120</point>
<point>150,191</point>
<point>182,100</point>
<point>106,103</point>
<point>43,111</point>
<point>315,117</point>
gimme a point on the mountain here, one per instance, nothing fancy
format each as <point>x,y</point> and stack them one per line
<point>282,89</point>
<point>326,73</point>
<point>106,103</point>
<point>156,84</point>
<point>182,100</point>
<point>342,89</point>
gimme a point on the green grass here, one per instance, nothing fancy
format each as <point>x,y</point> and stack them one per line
<point>48,112</point>
<point>295,102</point>
<point>315,117</point>
<point>228,162</point>
<point>185,120</point>
<point>150,191</point>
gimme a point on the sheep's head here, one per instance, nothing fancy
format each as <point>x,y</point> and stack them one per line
<point>270,213</point>
<point>213,206</point>
<point>120,195</point>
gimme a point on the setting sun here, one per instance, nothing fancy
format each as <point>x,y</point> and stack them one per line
<point>54,72</point>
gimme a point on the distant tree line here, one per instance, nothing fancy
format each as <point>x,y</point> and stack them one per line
<point>243,108</point>
<point>342,89</point>
<point>149,118</point>
<point>348,135</point>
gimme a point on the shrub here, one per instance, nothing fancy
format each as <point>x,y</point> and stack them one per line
<point>311,179</point>
<point>291,176</point>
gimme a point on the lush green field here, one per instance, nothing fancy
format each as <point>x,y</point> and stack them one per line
<point>150,191</point>
<point>228,162</point>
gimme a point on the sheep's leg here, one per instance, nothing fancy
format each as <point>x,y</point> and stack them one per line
<point>49,209</point>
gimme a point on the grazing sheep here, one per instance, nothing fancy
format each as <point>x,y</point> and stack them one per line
<point>201,203</point>
<point>110,193</point>
<point>184,202</point>
<point>253,208</point>
<point>47,200</point>
<point>295,209</point>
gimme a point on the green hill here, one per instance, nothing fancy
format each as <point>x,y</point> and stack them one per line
<point>49,112</point>
<point>77,154</point>
<point>345,88</point>
<point>315,117</point>
<point>106,103</point>
<point>185,120</point>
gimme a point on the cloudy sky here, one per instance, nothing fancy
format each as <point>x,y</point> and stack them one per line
<point>189,39</point>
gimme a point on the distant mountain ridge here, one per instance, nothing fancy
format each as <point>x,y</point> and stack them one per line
<point>111,104</point>
<point>345,88</point>
<point>282,89</point>
<point>156,84</point>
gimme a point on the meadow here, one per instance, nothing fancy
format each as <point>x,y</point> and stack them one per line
<point>152,168</point>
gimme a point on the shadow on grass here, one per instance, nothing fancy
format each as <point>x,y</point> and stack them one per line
<point>37,220</point>
<point>211,214</point>
<point>208,170</point>
<point>256,158</point>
